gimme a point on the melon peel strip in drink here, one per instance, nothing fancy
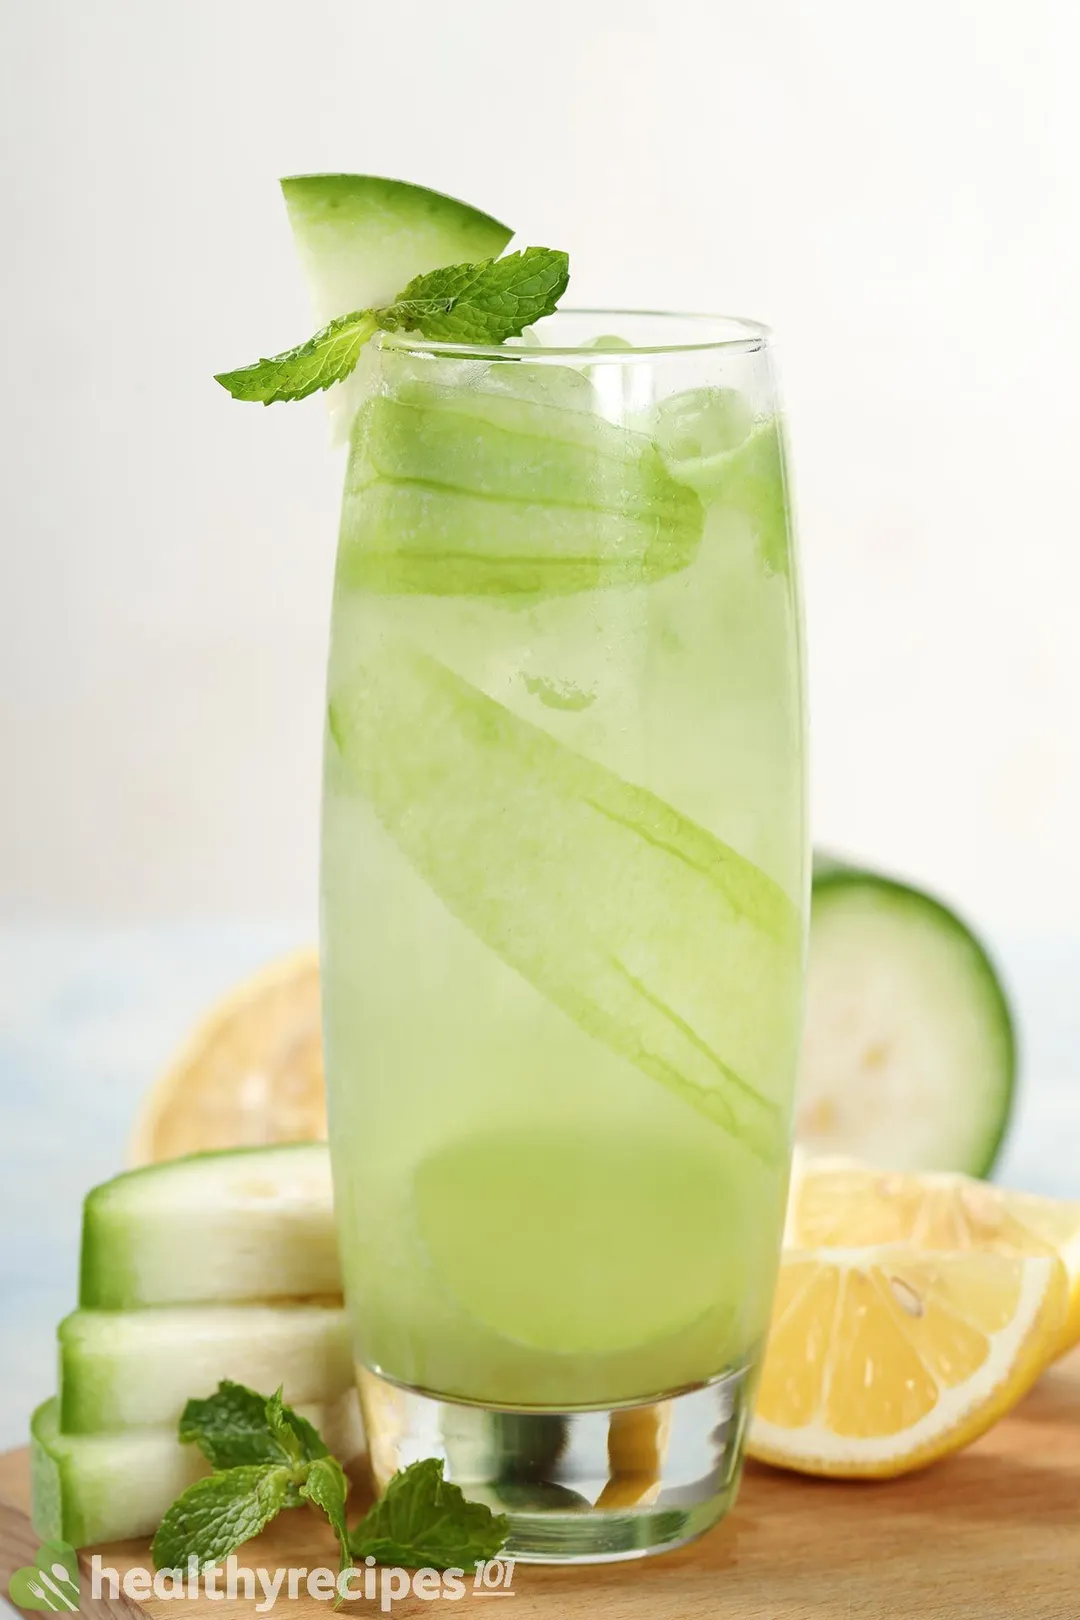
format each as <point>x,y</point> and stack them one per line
<point>655,937</point>
<point>453,492</point>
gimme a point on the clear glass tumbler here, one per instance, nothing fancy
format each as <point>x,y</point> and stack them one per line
<point>564,886</point>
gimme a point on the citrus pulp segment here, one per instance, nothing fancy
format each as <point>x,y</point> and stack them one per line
<point>881,1360</point>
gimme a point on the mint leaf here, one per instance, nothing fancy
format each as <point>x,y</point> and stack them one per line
<point>326,358</point>
<point>481,303</point>
<point>486,303</point>
<point>232,1427</point>
<point>218,1514</point>
<point>327,1487</point>
<point>424,1521</point>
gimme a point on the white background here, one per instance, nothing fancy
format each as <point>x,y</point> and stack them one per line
<point>891,187</point>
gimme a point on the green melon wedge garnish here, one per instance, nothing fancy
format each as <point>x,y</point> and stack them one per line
<point>361,239</point>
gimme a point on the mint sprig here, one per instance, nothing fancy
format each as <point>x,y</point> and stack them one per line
<point>482,303</point>
<point>267,1457</point>
<point>423,1521</point>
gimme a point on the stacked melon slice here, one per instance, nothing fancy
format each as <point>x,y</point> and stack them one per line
<point>223,1265</point>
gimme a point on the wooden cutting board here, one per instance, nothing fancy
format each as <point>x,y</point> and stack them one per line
<point>993,1534</point>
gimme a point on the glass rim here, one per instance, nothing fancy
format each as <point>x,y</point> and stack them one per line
<point>748,337</point>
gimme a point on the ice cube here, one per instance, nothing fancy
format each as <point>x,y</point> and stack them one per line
<point>544,384</point>
<point>398,368</point>
<point>700,423</point>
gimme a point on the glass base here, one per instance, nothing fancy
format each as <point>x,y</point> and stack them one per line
<point>578,1487</point>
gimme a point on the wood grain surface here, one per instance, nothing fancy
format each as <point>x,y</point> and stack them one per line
<point>993,1534</point>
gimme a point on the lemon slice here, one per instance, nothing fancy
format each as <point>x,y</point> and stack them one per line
<point>885,1359</point>
<point>251,1074</point>
<point>840,1201</point>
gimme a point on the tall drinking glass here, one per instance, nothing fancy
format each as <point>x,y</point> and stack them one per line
<point>563,895</point>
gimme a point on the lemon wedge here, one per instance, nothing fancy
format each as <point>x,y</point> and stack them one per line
<point>884,1359</point>
<point>251,1074</point>
<point>840,1201</point>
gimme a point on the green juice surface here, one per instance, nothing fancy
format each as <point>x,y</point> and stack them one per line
<point>562,889</point>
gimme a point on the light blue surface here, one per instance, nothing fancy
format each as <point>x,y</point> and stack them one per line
<point>89,1017</point>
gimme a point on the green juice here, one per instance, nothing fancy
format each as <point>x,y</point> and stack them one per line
<point>563,880</point>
